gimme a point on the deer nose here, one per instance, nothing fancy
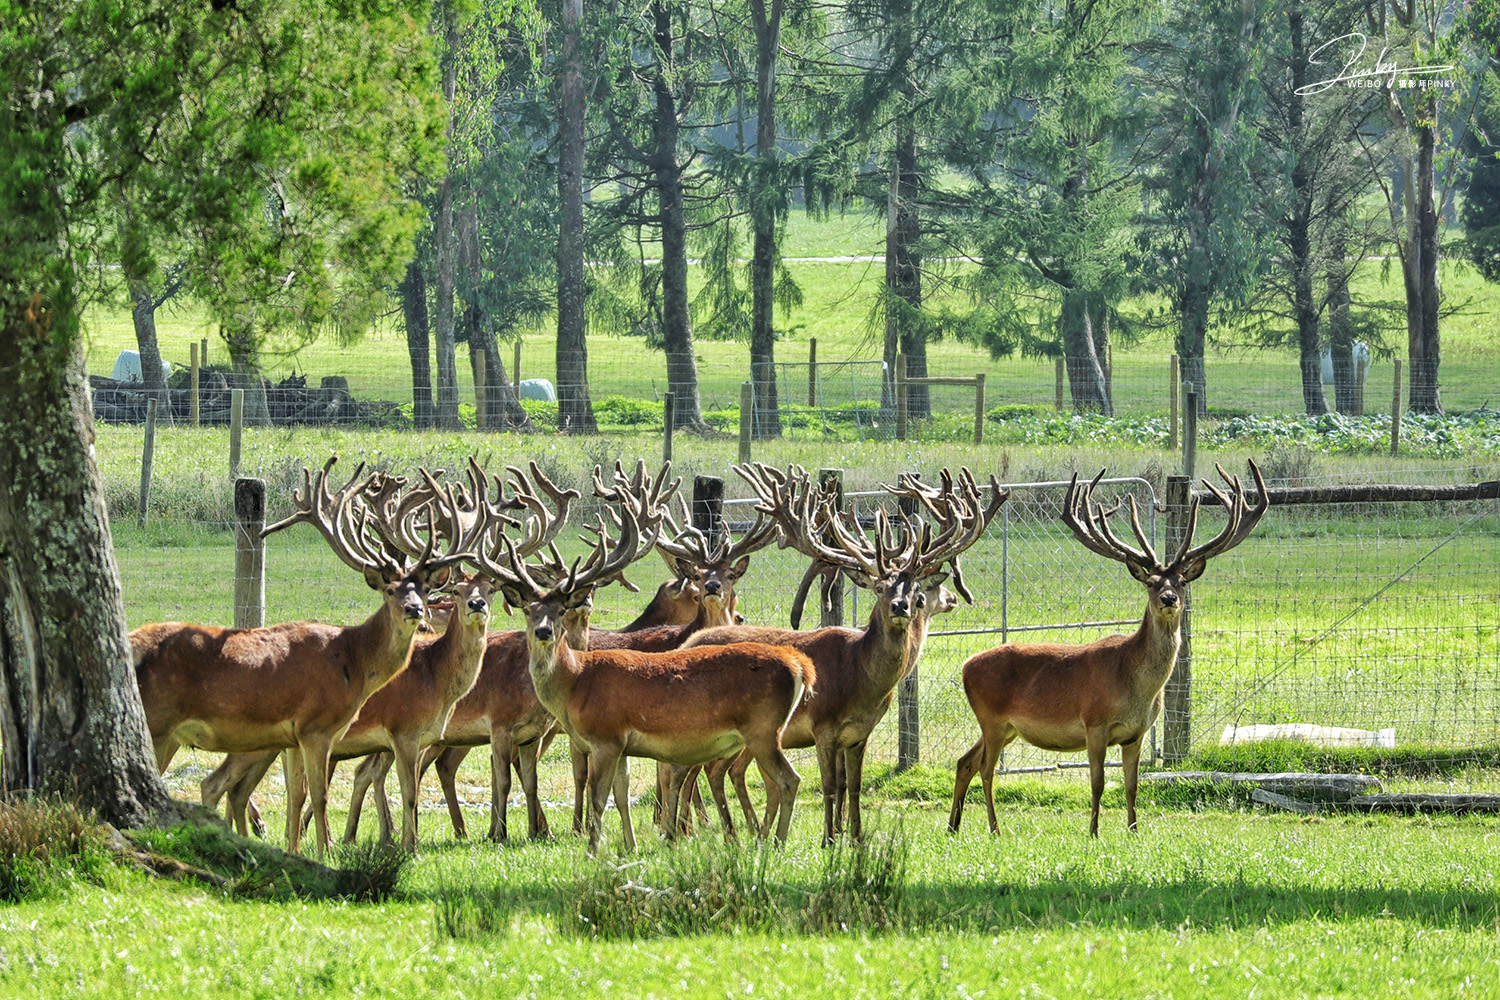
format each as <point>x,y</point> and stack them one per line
<point>1168,599</point>
<point>899,606</point>
<point>543,632</point>
<point>478,605</point>
<point>712,588</point>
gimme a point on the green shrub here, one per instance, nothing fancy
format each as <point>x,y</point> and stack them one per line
<point>45,844</point>
<point>623,411</point>
<point>1014,411</point>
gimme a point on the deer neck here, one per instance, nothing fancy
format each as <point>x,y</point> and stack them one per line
<point>457,654</point>
<point>382,646</point>
<point>1156,642</point>
<point>555,669</point>
<point>884,647</point>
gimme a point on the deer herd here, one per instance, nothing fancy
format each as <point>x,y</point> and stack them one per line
<point>687,683</point>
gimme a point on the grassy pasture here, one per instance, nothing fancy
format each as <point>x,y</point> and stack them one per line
<point>1208,903</point>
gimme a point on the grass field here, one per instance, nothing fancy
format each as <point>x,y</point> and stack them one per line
<point>836,310</point>
<point>1199,904</point>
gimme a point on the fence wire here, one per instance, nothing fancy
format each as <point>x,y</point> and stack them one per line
<point>1368,616</point>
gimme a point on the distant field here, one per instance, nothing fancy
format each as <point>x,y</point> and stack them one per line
<point>838,297</point>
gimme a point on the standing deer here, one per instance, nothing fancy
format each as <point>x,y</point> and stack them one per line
<point>410,712</point>
<point>297,684</point>
<point>684,706</point>
<point>858,669</point>
<point>1103,693</point>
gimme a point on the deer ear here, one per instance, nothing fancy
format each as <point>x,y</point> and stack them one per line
<point>375,578</point>
<point>935,580</point>
<point>739,567</point>
<point>1193,570</point>
<point>513,597</point>
<point>439,578</point>
<point>1141,573</point>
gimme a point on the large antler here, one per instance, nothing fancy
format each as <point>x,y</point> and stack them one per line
<point>341,517</point>
<point>1242,520</point>
<point>1090,524</point>
<point>689,543</point>
<point>961,517</point>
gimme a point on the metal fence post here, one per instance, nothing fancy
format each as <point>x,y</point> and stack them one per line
<point>1396,410</point>
<point>812,371</point>
<point>747,406</point>
<point>236,429</point>
<point>1174,380</point>
<point>900,397</point>
<point>908,716</point>
<point>669,418</point>
<point>148,454</point>
<point>1189,428</point>
<point>1177,710</point>
<point>833,608</point>
<point>979,407</point>
<point>194,402</point>
<point>1061,374</point>
<point>515,371</point>
<point>249,553</point>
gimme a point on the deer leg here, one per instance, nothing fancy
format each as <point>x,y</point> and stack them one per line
<point>968,766</point>
<point>992,748</point>
<point>854,772</point>
<point>737,769</point>
<point>536,819</point>
<point>697,798</point>
<point>716,771</point>
<point>408,759</point>
<point>827,751</point>
<point>240,807</point>
<point>671,806</point>
<point>622,800</point>
<point>316,748</point>
<point>663,790</point>
<point>603,760</point>
<point>447,761</point>
<point>295,774</point>
<point>1130,760</point>
<point>364,777</point>
<point>840,791</point>
<point>579,758</point>
<point>502,748</point>
<point>779,774</point>
<point>382,768</point>
<point>1098,742</point>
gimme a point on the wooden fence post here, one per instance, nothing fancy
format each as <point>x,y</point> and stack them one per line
<point>515,371</point>
<point>203,352</point>
<point>148,453</point>
<point>249,553</point>
<point>708,508</point>
<point>908,715</point>
<point>669,418</point>
<point>1177,707</point>
<point>812,371</point>
<point>481,391</point>
<point>747,415</point>
<point>236,429</point>
<point>833,610</point>
<point>900,397</point>
<point>194,401</point>
<point>1359,389</point>
<point>1174,381</point>
<point>1396,410</point>
<point>1189,429</point>
<point>1109,376</point>
<point>979,407</point>
<point>1061,377</point>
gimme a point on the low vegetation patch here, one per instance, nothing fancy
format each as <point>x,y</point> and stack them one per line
<point>1272,756</point>
<point>45,845</point>
<point>707,886</point>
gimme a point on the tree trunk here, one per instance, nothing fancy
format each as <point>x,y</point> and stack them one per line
<point>677,321</point>
<point>418,347</point>
<point>1425,352</point>
<point>1346,394</point>
<point>763,214</point>
<point>1085,370</point>
<point>244,358</point>
<point>505,409</point>
<point>443,319</point>
<point>903,271</point>
<point>1299,234</point>
<point>143,314</point>
<point>70,716</point>
<point>575,411</point>
<point>1192,333</point>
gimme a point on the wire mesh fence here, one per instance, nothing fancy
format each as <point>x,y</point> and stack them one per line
<point>1370,616</point>
<point>848,396</point>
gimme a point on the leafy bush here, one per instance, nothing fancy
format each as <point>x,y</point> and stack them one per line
<point>45,844</point>
<point>626,412</point>
<point>1431,435</point>
<point>1014,411</point>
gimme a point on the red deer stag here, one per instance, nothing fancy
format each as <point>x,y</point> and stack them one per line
<point>297,684</point>
<point>1103,693</point>
<point>858,669</point>
<point>684,706</point>
<point>410,712</point>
